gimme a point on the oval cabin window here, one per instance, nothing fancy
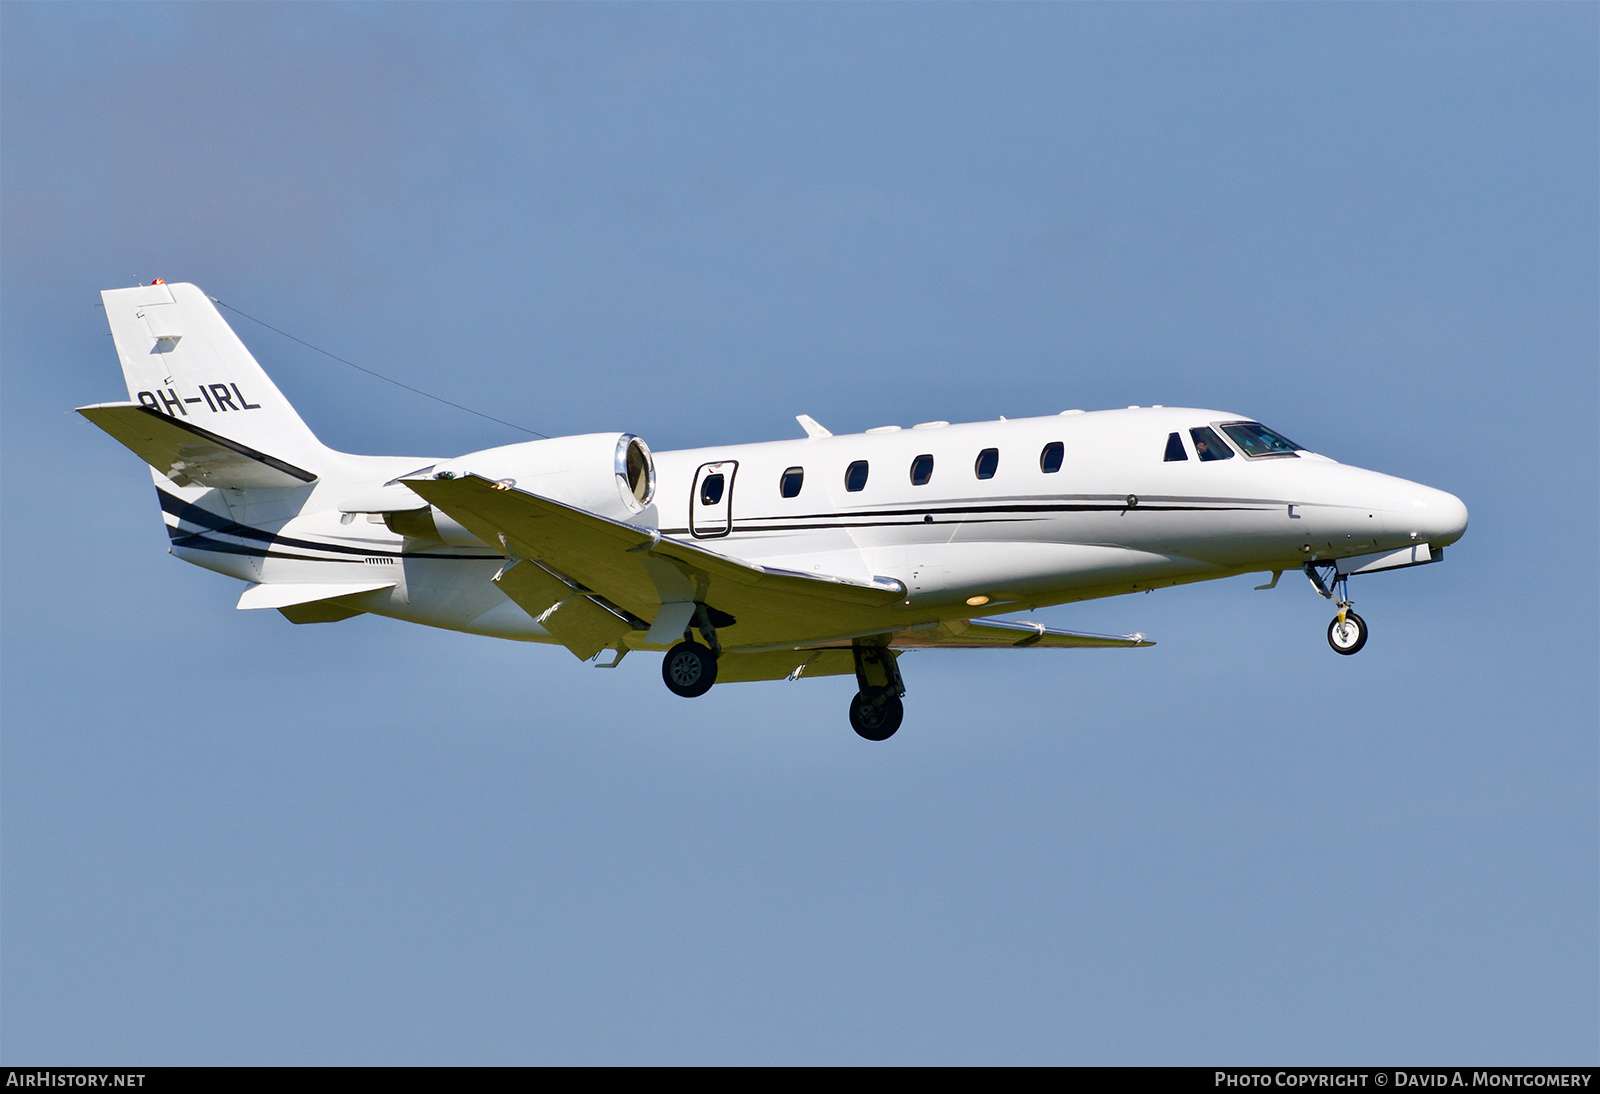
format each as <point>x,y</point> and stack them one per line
<point>1050,458</point>
<point>711,490</point>
<point>793,479</point>
<point>855,477</point>
<point>988,463</point>
<point>921,470</point>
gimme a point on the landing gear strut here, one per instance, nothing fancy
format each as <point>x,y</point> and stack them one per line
<point>689,669</point>
<point>1348,631</point>
<point>876,710</point>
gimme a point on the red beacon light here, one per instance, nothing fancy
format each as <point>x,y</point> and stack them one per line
<point>158,281</point>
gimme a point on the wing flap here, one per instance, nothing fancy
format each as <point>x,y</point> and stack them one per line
<point>577,621</point>
<point>188,454</point>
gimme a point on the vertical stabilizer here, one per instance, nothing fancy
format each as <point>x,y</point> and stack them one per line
<point>181,359</point>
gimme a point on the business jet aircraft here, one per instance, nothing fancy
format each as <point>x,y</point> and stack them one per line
<point>823,556</point>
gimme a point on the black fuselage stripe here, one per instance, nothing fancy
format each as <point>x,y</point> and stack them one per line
<point>750,524</point>
<point>217,546</point>
<point>194,514</point>
<point>198,542</point>
<point>1111,503</point>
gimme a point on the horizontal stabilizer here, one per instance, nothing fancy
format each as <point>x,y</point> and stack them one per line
<point>287,596</point>
<point>189,454</point>
<point>997,633</point>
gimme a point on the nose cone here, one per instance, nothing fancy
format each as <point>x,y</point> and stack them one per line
<point>1438,517</point>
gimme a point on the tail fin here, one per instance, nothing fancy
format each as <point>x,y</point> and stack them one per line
<point>182,360</point>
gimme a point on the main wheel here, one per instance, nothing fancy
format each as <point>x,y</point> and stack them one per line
<point>689,669</point>
<point>875,713</point>
<point>1347,637</point>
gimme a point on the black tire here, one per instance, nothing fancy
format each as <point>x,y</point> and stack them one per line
<point>1351,637</point>
<point>875,713</point>
<point>689,669</point>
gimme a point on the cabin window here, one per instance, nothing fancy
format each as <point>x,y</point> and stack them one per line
<point>1175,452</point>
<point>793,478</point>
<point>1208,446</point>
<point>855,476</point>
<point>1050,458</point>
<point>1257,440</point>
<point>988,463</point>
<point>711,489</point>
<point>921,470</point>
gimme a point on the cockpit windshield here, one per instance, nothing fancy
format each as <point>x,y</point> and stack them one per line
<point>1255,439</point>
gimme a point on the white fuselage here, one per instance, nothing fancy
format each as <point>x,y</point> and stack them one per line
<point>1116,517</point>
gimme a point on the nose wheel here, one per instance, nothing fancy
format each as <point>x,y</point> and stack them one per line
<point>1348,631</point>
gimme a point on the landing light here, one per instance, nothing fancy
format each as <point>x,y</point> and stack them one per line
<point>977,601</point>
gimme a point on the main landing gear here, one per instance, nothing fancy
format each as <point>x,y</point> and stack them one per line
<point>689,669</point>
<point>1348,631</point>
<point>876,709</point>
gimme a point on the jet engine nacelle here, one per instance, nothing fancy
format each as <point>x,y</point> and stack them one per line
<point>612,474</point>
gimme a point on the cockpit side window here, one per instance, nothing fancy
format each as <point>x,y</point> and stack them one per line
<point>1208,446</point>
<point>1257,440</point>
<point>1175,450</point>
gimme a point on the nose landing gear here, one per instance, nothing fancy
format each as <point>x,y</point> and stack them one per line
<point>1348,631</point>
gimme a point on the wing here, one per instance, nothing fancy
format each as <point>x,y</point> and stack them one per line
<point>187,454</point>
<point>637,570</point>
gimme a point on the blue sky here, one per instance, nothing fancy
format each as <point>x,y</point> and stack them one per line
<point>227,839</point>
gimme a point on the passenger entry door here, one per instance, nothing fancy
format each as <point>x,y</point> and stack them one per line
<point>711,503</point>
